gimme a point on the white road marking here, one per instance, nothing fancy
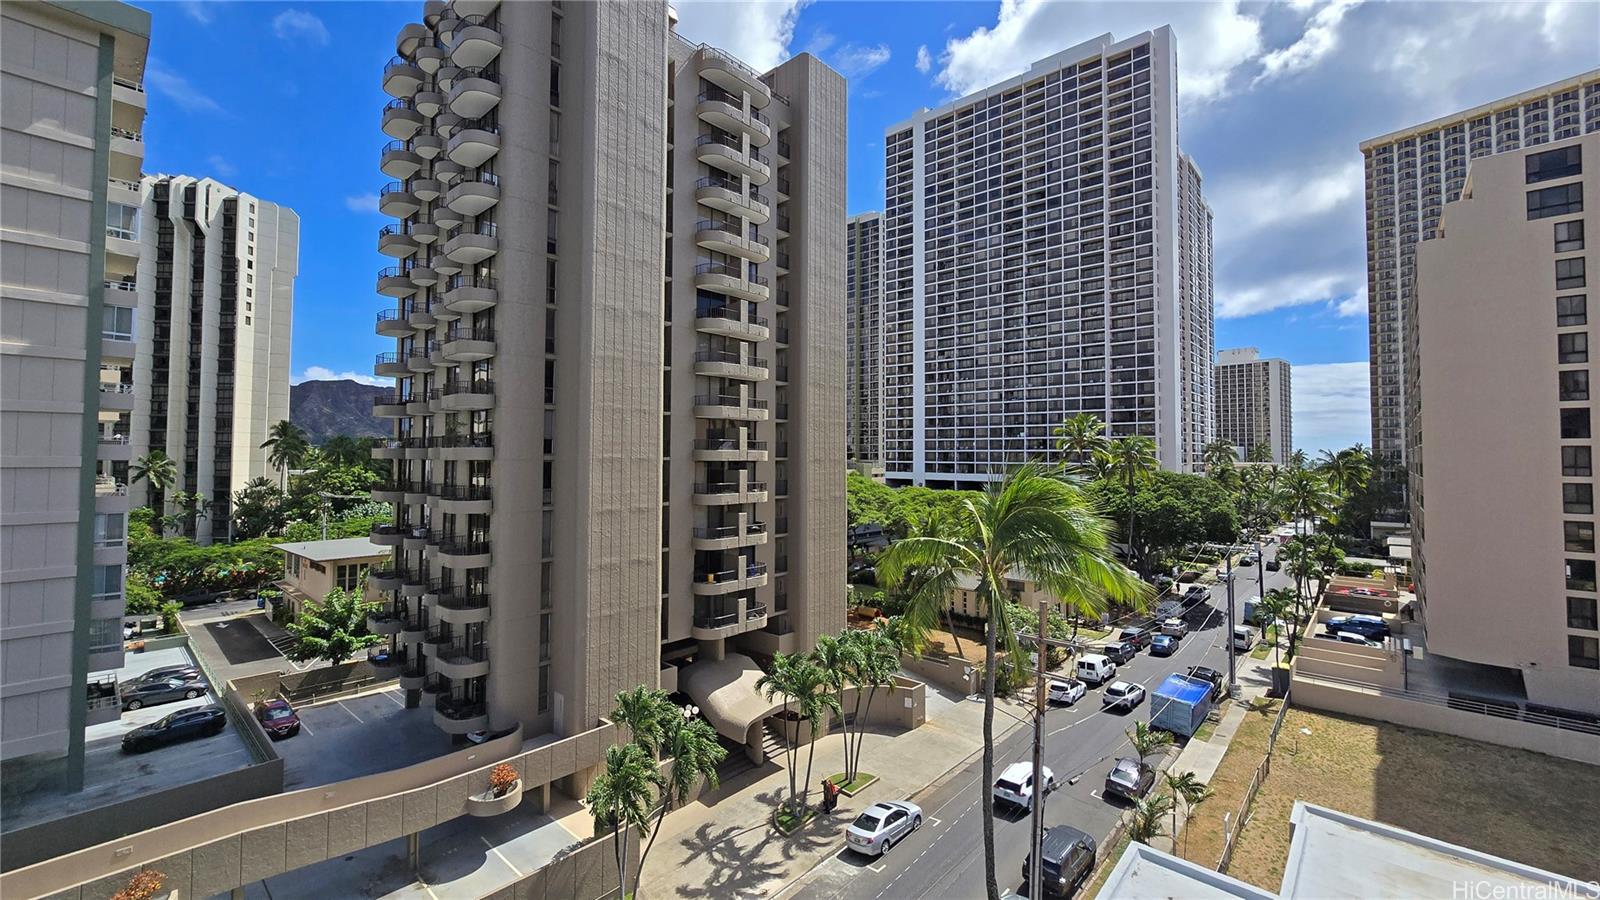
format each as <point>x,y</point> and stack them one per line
<point>306,728</point>
<point>934,823</point>
<point>390,695</point>
<point>352,713</point>
<point>500,856</point>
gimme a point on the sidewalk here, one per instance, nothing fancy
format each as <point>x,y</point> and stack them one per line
<point>723,844</point>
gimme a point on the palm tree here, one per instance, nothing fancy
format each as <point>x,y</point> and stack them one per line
<point>838,657</point>
<point>160,471</point>
<point>1190,801</point>
<point>1306,495</point>
<point>1300,561</point>
<point>620,799</point>
<point>780,680</point>
<point>1276,607</point>
<point>815,705</point>
<point>1030,522</point>
<point>877,659</point>
<point>345,451</point>
<point>1081,436</point>
<point>1346,471</point>
<point>1132,459</point>
<point>694,753</point>
<point>1219,456</point>
<point>286,446</point>
<point>1180,788</point>
<point>646,713</point>
<point>1144,825</point>
<point>1260,453</point>
<point>1147,741</point>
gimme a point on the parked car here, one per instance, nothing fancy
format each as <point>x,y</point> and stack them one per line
<point>1244,637</point>
<point>1066,858</point>
<point>1068,691</point>
<point>881,826</point>
<point>1348,637</point>
<point>1175,627</point>
<point>1118,652</point>
<point>1096,669</point>
<point>183,725</point>
<point>1129,778</point>
<point>1138,637</point>
<point>151,693</point>
<point>278,719</point>
<point>1205,673</point>
<point>1273,565</point>
<point>1163,645</point>
<point>1122,695</point>
<point>1373,628</point>
<point>1247,562</point>
<point>168,673</point>
<point>1196,594</point>
<point>1015,785</point>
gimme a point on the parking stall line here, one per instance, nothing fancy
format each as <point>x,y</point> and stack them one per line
<point>351,712</point>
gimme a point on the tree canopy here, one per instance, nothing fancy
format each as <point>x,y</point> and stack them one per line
<point>1171,510</point>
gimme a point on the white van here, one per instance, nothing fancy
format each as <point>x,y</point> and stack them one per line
<point>1096,669</point>
<point>1244,637</point>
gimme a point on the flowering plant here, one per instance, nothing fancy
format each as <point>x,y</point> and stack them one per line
<point>501,779</point>
<point>142,886</point>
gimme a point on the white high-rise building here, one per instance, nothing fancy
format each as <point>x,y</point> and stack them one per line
<point>864,337</point>
<point>216,285</point>
<point>1254,403</point>
<point>1031,259</point>
<point>1196,314</point>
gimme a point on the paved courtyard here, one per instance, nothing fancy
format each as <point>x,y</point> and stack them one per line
<point>357,736</point>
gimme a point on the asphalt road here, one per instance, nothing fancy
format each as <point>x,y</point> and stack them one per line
<point>945,857</point>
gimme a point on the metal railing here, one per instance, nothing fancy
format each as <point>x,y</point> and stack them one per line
<point>755,611</point>
<point>728,444</point>
<point>390,315</point>
<point>125,133</point>
<point>729,400</point>
<point>128,83</point>
<point>115,388</point>
<point>462,492</point>
<point>481,386</point>
<point>451,708</point>
<point>1502,709</point>
<point>462,547</point>
<point>730,315</point>
<point>730,487</point>
<point>461,598</point>
<point>469,281</point>
<point>471,333</point>
<point>722,621</point>
<point>729,356</point>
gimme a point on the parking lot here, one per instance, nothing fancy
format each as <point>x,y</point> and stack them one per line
<point>357,736</point>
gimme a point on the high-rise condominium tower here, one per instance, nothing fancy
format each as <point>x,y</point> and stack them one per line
<point>1196,314</point>
<point>216,286</point>
<point>72,123</point>
<point>1031,266</point>
<point>864,336</point>
<point>1410,175</point>
<point>1254,404</point>
<point>1503,464</point>
<point>619,363</point>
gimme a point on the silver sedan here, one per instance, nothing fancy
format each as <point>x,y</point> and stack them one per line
<point>882,825</point>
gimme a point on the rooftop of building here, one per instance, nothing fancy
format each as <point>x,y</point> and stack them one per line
<point>1483,109</point>
<point>337,548</point>
<point>1143,871</point>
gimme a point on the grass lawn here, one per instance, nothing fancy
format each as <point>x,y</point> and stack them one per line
<point>1264,648</point>
<point>851,788</point>
<point>1527,807</point>
<point>786,821</point>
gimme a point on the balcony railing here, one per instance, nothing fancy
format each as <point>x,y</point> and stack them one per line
<point>462,653</point>
<point>461,281</point>
<point>452,708</point>
<point>728,313</point>
<point>480,386</point>
<point>711,532</point>
<point>390,315</point>
<point>128,83</point>
<point>729,400</point>
<point>461,440</point>
<point>728,356</point>
<point>462,492</point>
<point>115,388</point>
<point>126,133</point>
<point>388,399</point>
<point>722,621</point>
<point>462,547</point>
<point>728,444</point>
<point>755,611</point>
<point>478,333</point>
<point>389,357</point>
<point>729,487</point>
<point>462,598</point>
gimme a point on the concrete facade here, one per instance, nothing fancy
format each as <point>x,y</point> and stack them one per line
<point>623,462</point>
<point>215,284</point>
<point>1410,175</point>
<point>1254,403</point>
<point>71,128</point>
<point>1502,480</point>
<point>864,337</point>
<point>1196,316</point>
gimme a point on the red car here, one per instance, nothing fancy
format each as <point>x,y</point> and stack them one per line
<point>278,718</point>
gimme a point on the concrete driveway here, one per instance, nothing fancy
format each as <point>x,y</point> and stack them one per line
<point>357,736</point>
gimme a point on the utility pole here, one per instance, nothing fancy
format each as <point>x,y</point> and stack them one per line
<point>1233,678</point>
<point>1041,650</point>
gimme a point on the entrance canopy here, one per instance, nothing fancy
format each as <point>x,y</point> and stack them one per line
<point>725,690</point>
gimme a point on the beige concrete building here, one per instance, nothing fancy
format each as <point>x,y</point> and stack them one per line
<point>864,337</point>
<point>1502,480</point>
<point>619,364</point>
<point>1410,175</point>
<point>313,568</point>
<point>216,286</point>
<point>70,135</point>
<point>1255,403</point>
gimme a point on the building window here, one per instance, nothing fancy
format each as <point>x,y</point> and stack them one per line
<point>1580,575</point>
<point>1579,536</point>
<point>110,529</point>
<point>291,565</point>
<point>1575,423</point>
<point>1574,384</point>
<point>1569,236</point>
<point>105,634</point>
<point>107,582</point>
<point>348,578</point>
<point>1576,462</point>
<point>122,221</point>
<point>1569,273</point>
<point>1572,309</point>
<point>1555,201</point>
<point>1577,499</point>
<point>1561,163</point>
<point>544,634</point>
<point>544,688</point>
<point>116,323</point>
<point>1572,348</point>
<point>1581,613</point>
<point>1583,652</point>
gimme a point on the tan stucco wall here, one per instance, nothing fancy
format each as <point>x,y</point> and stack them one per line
<point>316,585</point>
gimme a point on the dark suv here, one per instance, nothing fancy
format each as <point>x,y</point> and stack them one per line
<point>1118,652</point>
<point>1065,862</point>
<point>1211,675</point>
<point>1138,637</point>
<point>1372,628</point>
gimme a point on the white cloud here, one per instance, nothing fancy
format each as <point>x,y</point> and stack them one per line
<point>1292,288</point>
<point>1249,202</point>
<point>365,203</point>
<point>297,24</point>
<point>1331,405</point>
<point>197,10</point>
<point>757,33</point>
<point>1319,39</point>
<point>855,61</point>
<point>821,41</point>
<point>220,166</point>
<point>178,89</point>
<point>1353,305</point>
<point>323,373</point>
<point>924,59</point>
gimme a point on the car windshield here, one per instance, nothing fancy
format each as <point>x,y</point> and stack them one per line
<point>867,822</point>
<point>281,712</point>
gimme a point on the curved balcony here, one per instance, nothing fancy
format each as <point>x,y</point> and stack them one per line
<point>395,281</point>
<point>387,661</point>
<point>715,584</point>
<point>413,675</point>
<point>728,364</point>
<point>389,405</point>
<point>383,578</point>
<point>395,241</point>
<point>417,492</point>
<point>412,584</point>
<point>457,717</point>
<point>446,219</point>
<point>401,78</point>
<point>725,194</point>
<point>728,73</point>
<point>446,75</point>
<point>427,144</point>
<point>428,101</point>
<point>730,406</point>
<point>725,279</point>
<point>447,172</point>
<point>729,449</point>
<point>414,629</point>
<point>432,10</point>
<point>461,447</point>
<point>412,35</point>
<point>475,42</point>
<point>398,160</point>
<point>473,144</point>
<point>466,396</point>
<point>418,361</point>
<point>449,268</point>
<point>421,317</point>
<point>384,622</point>
<point>471,8</point>
<point>727,154</point>
<point>458,662</point>
<point>428,58</point>
<point>417,405</point>
<point>472,93</point>
<point>460,607</point>
<point>728,493</point>
<point>389,450</point>
<point>414,538</point>
<point>725,322</point>
<point>400,120</point>
<point>463,499</point>
<point>727,537</point>
<point>424,233</point>
<point>465,345</point>
<point>728,619</point>
<point>724,237</point>
<point>387,535</point>
<point>426,189</point>
<point>464,294</point>
<point>423,274</point>
<point>446,123</point>
<point>473,195</point>
<point>397,200</point>
<point>392,323</point>
<point>464,554</point>
<point>389,365</point>
<point>724,110</point>
<point>471,245</point>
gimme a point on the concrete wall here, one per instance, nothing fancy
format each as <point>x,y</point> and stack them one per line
<point>901,705</point>
<point>316,585</point>
<point>588,873</point>
<point>954,674</point>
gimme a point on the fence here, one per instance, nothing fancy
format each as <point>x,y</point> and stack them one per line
<point>1262,770</point>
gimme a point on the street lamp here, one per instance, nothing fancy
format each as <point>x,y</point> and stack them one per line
<point>690,712</point>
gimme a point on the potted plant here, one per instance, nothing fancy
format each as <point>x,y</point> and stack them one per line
<point>503,795</point>
<point>144,885</point>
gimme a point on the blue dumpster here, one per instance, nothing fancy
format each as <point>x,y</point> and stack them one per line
<point>1180,704</point>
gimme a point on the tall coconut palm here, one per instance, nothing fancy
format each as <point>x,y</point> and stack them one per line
<point>1219,456</point>
<point>345,451</point>
<point>1298,459</point>
<point>815,705</point>
<point>1080,436</point>
<point>1306,495</point>
<point>286,446</point>
<point>1299,558</point>
<point>839,657</point>
<point>158,470</point>
<point>780,680</point>
<point>1030,522</point>
<point>1276,607</point>
<point>646,713</point>
<point>693,753</point>
<point>620,799</point>
<point>1347,471</point>
<point>1180,787</point>
<point>876,659</point>
<point>1132,460</point>
<point>1260,453</point>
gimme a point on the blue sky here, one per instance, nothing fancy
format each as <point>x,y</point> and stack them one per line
<point>282,100</point>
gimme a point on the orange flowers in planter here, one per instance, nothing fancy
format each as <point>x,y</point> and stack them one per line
<point>142,886</point>
<point>502,779</point>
